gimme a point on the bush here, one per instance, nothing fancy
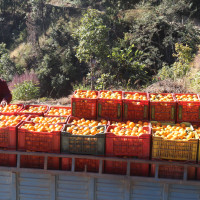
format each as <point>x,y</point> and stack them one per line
<point>26,91</point>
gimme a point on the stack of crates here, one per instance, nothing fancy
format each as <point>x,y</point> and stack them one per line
<point>196,127</point>
<point>124,146</point>
<point>184,151</point>
<point>39,141</point>
<point>82,145</point>
<point>8,135</point>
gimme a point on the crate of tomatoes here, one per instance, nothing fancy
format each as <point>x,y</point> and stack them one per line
<point>188,107</point>
<point>135,106</point>
<point>174,141</point>
<point>162,107</point>
<point>128,140</point>
<point>84,104</point>
<point>35,137</point>
<point>110,105</point>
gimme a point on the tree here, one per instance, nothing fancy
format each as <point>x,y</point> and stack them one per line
<point>92,35</point>
<point>7,67</point>
<point>129,68</point>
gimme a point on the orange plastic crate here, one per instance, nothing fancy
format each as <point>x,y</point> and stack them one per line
<point>136,169</point>
<point>110,109</point>
<point>134,146</point>
<point>163,110</point>
<point>188,111</point>
<point>29,161</point>
<point>89,165</point>
<point>38,141</point>
<point>135,109</point>
<point>84,107</point>
<point>173,171</point>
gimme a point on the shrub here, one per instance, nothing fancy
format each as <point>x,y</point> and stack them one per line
<point>26,90</point>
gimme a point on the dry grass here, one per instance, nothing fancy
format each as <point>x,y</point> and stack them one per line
<point>168,86</point>
<point>64,101</point>
<point>61,3</point>
<point>132,14</point>
<point>19,54</point>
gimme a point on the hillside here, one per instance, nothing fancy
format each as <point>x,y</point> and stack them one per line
<point>131,45</point>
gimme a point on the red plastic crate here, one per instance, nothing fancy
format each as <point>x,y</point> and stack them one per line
<point>198,171</point>
<point>33,113</point>
<point>84,107</point>
<point>38,141</point>
<point>134,146</point>
<point>9,160</point>
<point>135,109</point>
<point>29,161</point>
<point>90,165</point>
<point>188,111</point>
<point>57,107</point>
<point>13,113</point>
<point>8,137</point>
<point>163,110</point>
<point>173,171</point>
<point>30,117</point>
<point>110,109</point>
<point>120,167</point>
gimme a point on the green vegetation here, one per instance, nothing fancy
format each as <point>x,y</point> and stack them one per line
<point>99,44</point>
<point>181,66</point>
<point>25,91</point>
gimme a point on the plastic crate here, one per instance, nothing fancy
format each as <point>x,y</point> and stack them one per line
<point>29,161</point>
<point>13,113</point>
<point>198,172</point>
<point>71,118</point>
<point>82,144</point>
<point>33,113</point>
<point>88,165</point>
<point>173,171</point>
<point>134,146</point>
<point>8,137</point>
<point>135,109</point>
<point>57,107</point>
<point>38,141</point>
<point>8,160</point>
<point>163,110</point>
<point>120,167</point>
<point>174,149</point>
<point>30,117</point>
<point>84,107</point>
<point>188,110</point>
<point>110,109</point>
